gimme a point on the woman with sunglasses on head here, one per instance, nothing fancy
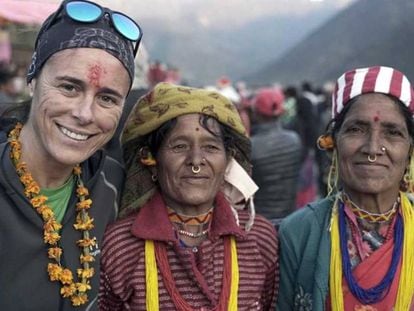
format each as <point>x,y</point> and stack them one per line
<point>192,245</point>
<point>58,187</point>
<point>354,250</point>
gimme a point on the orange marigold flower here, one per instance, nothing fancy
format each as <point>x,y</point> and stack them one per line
<point>68,290</point>
<point>15,154</point>
<point>80,299</point>
<point>86,258</point>
<point>38,200</point>
<point>86,242</point>
<point>83,287</point>
<point>54,271</point>
<point>16,147</point>
<point>86,273</point>
<point>83,222</point>
<point>26,179</point>
<point>32,189</point>
<point>21,167</point>
<point>150,161</point>
<point>66,276</point>
<point>54,253</point>
<point>82,191</point>
<point>52,225</point>
<point>51,237</point>
<point>15,144</point>
<point>46,212</point>
<point>85,204</point>
<point>77,170</point>
<point>325,142</point>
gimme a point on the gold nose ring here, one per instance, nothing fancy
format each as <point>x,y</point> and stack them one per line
<point>195,169</point>
<point>372,159</point>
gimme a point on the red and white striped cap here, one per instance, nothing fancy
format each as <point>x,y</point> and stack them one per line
<point>377,79</point>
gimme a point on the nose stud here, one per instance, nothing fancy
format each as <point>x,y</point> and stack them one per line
<point>372,159</point>
<point>383,149</point>
<point>195,169</point>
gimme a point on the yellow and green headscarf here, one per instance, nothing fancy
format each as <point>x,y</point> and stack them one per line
<point>165,102</point>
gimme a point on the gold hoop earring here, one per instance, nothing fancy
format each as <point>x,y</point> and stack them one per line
<point>372,160</point>
<point>196,169</point>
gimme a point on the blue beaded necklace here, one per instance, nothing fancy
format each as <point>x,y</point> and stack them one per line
<point>378,292</point>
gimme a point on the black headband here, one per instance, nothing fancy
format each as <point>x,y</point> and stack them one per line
<point>66,33</point>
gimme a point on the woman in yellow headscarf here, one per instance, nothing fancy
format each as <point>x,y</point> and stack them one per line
<point>190,246</point>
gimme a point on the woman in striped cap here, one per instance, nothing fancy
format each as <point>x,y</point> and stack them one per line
<point>354,250</point>
<point>189,247</point>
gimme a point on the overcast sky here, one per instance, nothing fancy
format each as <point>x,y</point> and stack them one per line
<point>216,13</point>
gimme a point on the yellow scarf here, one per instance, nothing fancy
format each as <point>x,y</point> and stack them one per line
<point>151,277</point>
<point>406,285</point>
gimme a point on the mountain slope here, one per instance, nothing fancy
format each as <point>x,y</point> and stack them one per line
<point>204,54</point>
<point>369,32</point>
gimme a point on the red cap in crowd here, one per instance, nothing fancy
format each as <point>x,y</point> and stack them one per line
<point>269,102</point>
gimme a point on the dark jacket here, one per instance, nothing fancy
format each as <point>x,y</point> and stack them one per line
<point>24,280</point>
<point>276,160</point>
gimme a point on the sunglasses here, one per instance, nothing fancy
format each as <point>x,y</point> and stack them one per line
<point>84,11</point>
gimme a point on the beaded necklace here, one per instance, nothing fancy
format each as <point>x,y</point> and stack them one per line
<point>376,293</point>
<point>76,291</point>
<point>190,220</point>
<point>406,279</point>
<point>371,217</point>
<point>182,223</point>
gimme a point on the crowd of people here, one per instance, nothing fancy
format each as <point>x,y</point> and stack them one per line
<point>177,197</point>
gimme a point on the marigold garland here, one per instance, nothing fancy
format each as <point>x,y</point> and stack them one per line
<point>75,291</point>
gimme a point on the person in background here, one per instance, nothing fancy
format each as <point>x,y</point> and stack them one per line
<point>157,72</point>
<point>289,116</point>
<point>225,87</point>
<point>354,250</point>
<point>7,89</point>
<point>276,157</point>
<point>58,188</point>
<point>304,125</point>
<point>186,242</point>
<point>321,156</point>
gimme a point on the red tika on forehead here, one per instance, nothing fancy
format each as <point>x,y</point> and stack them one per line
<point>377,79</point>
<point>95,73</point>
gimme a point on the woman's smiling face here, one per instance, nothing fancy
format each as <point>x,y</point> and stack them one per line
<point>77,103</point>
<point>373,127</point>
<point>188,145</point>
